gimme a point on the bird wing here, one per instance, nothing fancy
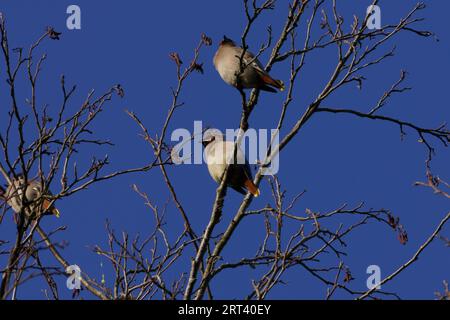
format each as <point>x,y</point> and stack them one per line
<point>248,171</point>
<point>229,150</point>
<point>249,59</point>
<point>240,158</point>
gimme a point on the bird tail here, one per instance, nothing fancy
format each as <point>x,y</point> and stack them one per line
<point>55,211</point>
<point>272,82</point>
<point>267,88</point>
<point>252,188</point>
<point>51,209</point>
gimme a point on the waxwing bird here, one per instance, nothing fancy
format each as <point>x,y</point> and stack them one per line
<point>33,197</point>
<point>218,154</point>
<point>227,61</point>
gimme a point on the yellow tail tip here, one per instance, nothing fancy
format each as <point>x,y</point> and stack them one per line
<point>281,85</point>
<point>56,212</point>
<point>257,193</point>
<point>252,188</point>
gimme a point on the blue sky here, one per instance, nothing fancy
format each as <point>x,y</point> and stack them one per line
<point>337,159</point>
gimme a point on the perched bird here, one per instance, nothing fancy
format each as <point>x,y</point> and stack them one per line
<point>33,196</point>
<point>227,61</point>
<point>218,154</point>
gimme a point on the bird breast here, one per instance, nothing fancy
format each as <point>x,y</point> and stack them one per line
<point>227,64</point>
<point>218,155</point>
<point>15,194</point>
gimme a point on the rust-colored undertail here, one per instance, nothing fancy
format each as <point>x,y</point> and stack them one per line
<point>51,209</point>
<point>272,82</point>
<point>250,186</point>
